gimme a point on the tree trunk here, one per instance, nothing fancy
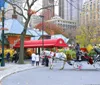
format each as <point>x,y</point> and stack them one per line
<point>21,54</point>
<point>22,37</point>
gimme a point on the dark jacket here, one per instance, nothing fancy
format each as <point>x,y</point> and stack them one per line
<point>77,48</point>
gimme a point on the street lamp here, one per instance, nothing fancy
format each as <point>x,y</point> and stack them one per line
<point>2,8</point>
<point>2,2</point>
<point>2,61</point>
<point>42,32</point>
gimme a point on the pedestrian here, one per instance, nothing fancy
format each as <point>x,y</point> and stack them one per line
<point>37,59</point>
<point>51,58</point>
<point>77,48</point>
<point>8,57</point>
<point>46,61</point>
<point>15,57</point>
<point>33,58</point>
<point>43,58</point>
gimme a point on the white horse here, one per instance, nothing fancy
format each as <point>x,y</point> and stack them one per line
<point>55,55</point>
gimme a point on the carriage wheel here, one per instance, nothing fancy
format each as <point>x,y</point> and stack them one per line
<point>77,65</point>
<point>97,65</point>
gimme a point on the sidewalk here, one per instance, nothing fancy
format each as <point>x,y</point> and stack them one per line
<point>11,68</point>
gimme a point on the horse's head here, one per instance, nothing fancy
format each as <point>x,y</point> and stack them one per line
<point>63,55</point>
<point>42,53</point>
<point>60,55</point>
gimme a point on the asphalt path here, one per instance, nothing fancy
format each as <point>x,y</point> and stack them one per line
<point>44,76</point>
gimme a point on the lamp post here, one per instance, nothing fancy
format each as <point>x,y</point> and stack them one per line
<point>42,32</point>
<point>2,2</point>
<point>2,61</point>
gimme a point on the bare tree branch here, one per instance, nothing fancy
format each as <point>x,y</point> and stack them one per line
<point>27,2</point>
<point>21,15</point>
<point>25,6</point>
<point>45,7</point>
<point>32,3</point>
<point>15,5</point>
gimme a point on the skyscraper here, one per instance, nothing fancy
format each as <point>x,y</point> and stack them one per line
<point>48,12</point>
<point>91,14</point>
<point>70,9</point>
<point>61,8</point>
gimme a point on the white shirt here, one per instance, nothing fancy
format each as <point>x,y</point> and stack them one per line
<point>51,54</point>
<point>33,57</point>
<point>37,58</point>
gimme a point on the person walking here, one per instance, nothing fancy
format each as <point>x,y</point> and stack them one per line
<point>33,58</point>
<point>8,57</point>
<point>37,59</point>
<point>77,48</point>
<point>15,57</point>
<point>46,61</point>
<point>43,58</point>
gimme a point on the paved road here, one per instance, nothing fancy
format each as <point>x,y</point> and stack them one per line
<point>43,76</point>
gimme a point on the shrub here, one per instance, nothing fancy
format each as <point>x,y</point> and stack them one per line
<point>91,53</point>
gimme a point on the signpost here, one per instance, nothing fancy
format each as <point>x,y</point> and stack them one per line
<point>2,2</point>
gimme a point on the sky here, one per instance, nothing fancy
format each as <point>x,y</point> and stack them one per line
<point>38,5</point>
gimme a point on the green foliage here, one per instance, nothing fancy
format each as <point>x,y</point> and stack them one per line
<point>81,39</point>
<point>86,35</point>
<point>69,53</point>
<point>92,53</point>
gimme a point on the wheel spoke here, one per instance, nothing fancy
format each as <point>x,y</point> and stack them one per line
<point>77,65</point>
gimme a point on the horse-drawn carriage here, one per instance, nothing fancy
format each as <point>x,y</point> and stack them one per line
<point>77,64</point>
<point>91,60</point>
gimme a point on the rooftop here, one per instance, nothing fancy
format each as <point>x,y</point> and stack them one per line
<point>15,27</point>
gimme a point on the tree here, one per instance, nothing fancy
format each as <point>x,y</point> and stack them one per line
<point>26,12</point>
<point>86,35</point>
<point>49,27</point>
